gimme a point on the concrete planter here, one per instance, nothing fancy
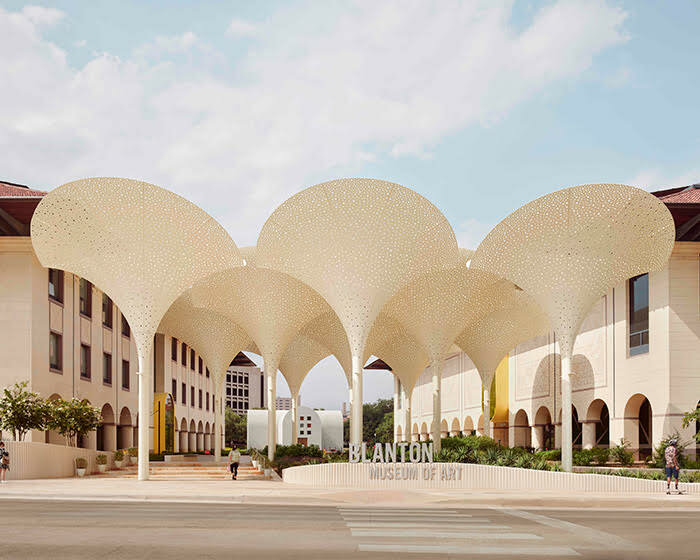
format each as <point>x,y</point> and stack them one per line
<point>80,472</point>
<point>102,468</point>
<point>268,472</point>
<point>118,464</point>
<point>134,460</point>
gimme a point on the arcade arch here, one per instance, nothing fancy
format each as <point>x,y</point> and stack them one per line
<point>638,425</point>
<point>522,436</point>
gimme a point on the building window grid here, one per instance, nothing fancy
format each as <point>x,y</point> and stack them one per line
<point>85,362</point>
<point>184,393</point>
<point>125,375</point>
<point>638,314</point>
<point>107,311</point>
<point>173,349</point>
<point>174,389</point>
<point>192,396</point>
<point>192,359</point>
<point>85,297</point>
<point>126,329</point>
<point>55,351</point>
<point>183,361</point>
<point>107,368</point>
<point>56,285</point>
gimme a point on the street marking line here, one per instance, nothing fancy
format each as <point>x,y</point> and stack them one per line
<point>598,537</point>
<point>442,534</point>
<point>484,550</point>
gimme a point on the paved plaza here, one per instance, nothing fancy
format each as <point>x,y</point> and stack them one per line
<point>131,530</point>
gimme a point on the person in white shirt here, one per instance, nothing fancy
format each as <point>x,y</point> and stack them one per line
<point>234,458</point>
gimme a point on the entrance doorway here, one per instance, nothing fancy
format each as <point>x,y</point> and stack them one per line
<point>303,441</point>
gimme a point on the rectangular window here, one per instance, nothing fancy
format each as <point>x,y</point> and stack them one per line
<point>207,372</point>
<point>55,351</point>
<point>192,359</point>
<point>56,284</point>
<point>200,398</point>
<point>125,374</point>
<point>173,349</point>
<point>228,376</point>
<point>184,354</point>
<point>184,394</point>
<point>639,314</point>
<point>107,368</point>
<point>84,361</point>
<point>245,393</point>
<point>207,399</point>
<point>228,391</point>
<point>192,396</point>
<point>106,311</point>
<point>200,365</point>
<point>174,390</point>
<point>85,298</point>
<point>126,329</point>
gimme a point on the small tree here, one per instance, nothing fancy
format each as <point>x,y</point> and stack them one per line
<point>689,418</point>
<point>73,418</point>
<point>22,410</point>
<point>236,427</point>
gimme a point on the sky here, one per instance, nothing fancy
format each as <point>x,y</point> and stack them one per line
<point>479,106</point>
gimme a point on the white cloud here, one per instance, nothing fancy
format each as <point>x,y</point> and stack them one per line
<point>241,28</point>
<point>329,86</point>
<point>39,15</point>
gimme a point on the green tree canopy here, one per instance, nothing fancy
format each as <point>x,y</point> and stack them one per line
<point>236,427</point>
<point>73,418</point>
<point>22,410</point>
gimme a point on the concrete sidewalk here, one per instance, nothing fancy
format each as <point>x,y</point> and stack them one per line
<point>275,492</point>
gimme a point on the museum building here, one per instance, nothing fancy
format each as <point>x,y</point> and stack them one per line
<point>636,364</point>
<point>68,339</point>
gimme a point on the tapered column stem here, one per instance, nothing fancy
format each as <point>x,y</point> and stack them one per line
<point>356,434</point>
<point>145,405</point>
<point>270,367</point>
<point>566,416</point>
<point>437,405</point>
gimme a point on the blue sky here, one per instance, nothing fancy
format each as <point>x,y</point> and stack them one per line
<point>479,106</point>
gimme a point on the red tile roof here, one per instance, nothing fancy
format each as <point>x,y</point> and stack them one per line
<point>13,189</point>
<point>680,195</point>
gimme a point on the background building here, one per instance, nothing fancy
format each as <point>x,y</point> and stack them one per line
<point>636,364</point>
<point>285,403</point>
<point>323,428</point>
<point>245,385</point>
<point>68,339</point>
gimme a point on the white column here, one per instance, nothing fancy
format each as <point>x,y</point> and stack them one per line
<point>270,367</point>
<point>566,416</point>
<point>588,435</point>
<point>295,418</point>
<point>145,404</point>
<point>218,417</point>
<point>437,405</point>
<point>406,396</point>
<point>487,409</point>
<point>110,437</point>
<point>350,412</point>
<point>397,389</point>
<point>356,411</point>
<point>537,437</point>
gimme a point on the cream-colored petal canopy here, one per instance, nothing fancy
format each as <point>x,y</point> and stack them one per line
<point>302,354</point>
<point>356,241</point>
<point>568,248</point>
<point>435,307</point>
<point>394,344</point>
<point>327,331</point>
<point>141,244</point>
<point>216,337</point>
<point>488,339</point>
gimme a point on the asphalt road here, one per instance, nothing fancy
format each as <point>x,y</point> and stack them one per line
<point>122,530</point>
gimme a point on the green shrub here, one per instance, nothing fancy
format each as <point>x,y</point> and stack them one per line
<point>81,463</point>
<point>600,455</point>
<point>621,455</point>
<point>583,458</point>
<point>118,455</point>
<point>133,451</point>
<point>101,459</point>
<point>540,464</point>
<point>551,455</point>
<point>523,461</point>
<point>297,450</point>
<point>156,457</point>
<point>658,458</point>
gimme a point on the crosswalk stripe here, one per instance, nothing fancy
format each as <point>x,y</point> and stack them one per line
<point>472,550</point>
<point>466,523</point>
<point>389,525</point>
<point>442,534</point>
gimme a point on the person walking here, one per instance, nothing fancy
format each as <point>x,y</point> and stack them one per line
<point>672,466</point>
<point>4,462</point>
<point>234,458</point>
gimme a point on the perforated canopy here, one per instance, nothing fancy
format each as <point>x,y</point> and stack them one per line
<point>568,248</point>
<point>139,243</point>
<point>302,354</point>
<point>327,331</point>
<point>356,241</point>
